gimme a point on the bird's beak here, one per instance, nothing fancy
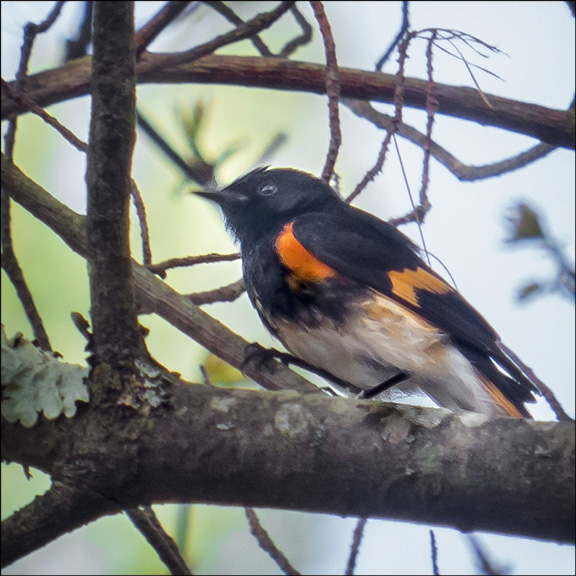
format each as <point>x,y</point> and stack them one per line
<point>209,193</point>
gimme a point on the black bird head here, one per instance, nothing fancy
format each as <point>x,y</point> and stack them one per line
<point>264,200</point>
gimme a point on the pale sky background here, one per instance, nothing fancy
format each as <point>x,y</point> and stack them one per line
<point>465,229</point>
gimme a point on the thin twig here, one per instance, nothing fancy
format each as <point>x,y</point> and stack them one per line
<point>50,120</point>
<point>161,267</point>
<point>157,24</point>
<point>480,92</point>
<point>144,231</point>
<point>147,523</point>
<point>395,123</point>
<point>231,16</point>
<point>431,108</point>
<point>462,171</point>
<point>355,548</point>
<point>31,30</point>
<point>267,544</point>
<point>417,211</point>
<point>403,29</point>
<point>243,31</point>
<point>371,174</point>
<point>434,554</point>
<point>10,262</point>
<point>14,272</point>
<point>301,40</point>
<point>332,89</point>
<point>227,293</point>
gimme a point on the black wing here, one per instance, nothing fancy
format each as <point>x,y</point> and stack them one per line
<point>372,252</point>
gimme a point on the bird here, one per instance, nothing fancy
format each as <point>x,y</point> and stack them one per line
<point>350,295</point>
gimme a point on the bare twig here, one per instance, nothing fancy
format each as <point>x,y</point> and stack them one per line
<point>434,554</point>
<point>301,40</point>
<point>403,29</point>
<point>147,523</point>
<point>144,232</point>
<point>267,544</point>
<point>49,119</point>
<point>241,32</point>
<point>10,262</point>
<point>231,16</point>
<point>167,14</point>
<point>227,293</point>
<point>31,30</point>
<point>82,325</point>
<point>396,121</point>
<point>332,89</point>
<point>12,268</point>
<point>431,108</point>
<point>462,171</point>
<point>355,548</point>
<point>161,267</point>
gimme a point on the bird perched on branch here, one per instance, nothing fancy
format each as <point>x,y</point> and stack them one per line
<point>350,295</point>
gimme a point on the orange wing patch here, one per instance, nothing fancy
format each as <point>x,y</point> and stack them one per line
<point>303,266</point>
<point>406,282</point>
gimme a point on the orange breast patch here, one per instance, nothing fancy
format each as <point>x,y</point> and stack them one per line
<point>303,266</point>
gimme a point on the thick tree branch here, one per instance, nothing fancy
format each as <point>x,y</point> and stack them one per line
<point>555,127</point>
<point>286,450</point>
<point>153,295</point>
<point>117,338</point>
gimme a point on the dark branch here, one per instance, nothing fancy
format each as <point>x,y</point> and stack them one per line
<point>117,338</point>
<point>555,127</point>
<point>402,462</point>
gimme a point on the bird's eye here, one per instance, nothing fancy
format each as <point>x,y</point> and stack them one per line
<point>267,189</point>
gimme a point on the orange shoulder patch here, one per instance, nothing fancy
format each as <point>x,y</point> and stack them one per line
<point>303,266</point>
<point>405,283</point>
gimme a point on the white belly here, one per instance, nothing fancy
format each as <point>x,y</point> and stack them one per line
<point>385,337</point>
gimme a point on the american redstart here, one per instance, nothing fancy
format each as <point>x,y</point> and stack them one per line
<point>350,295</point>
